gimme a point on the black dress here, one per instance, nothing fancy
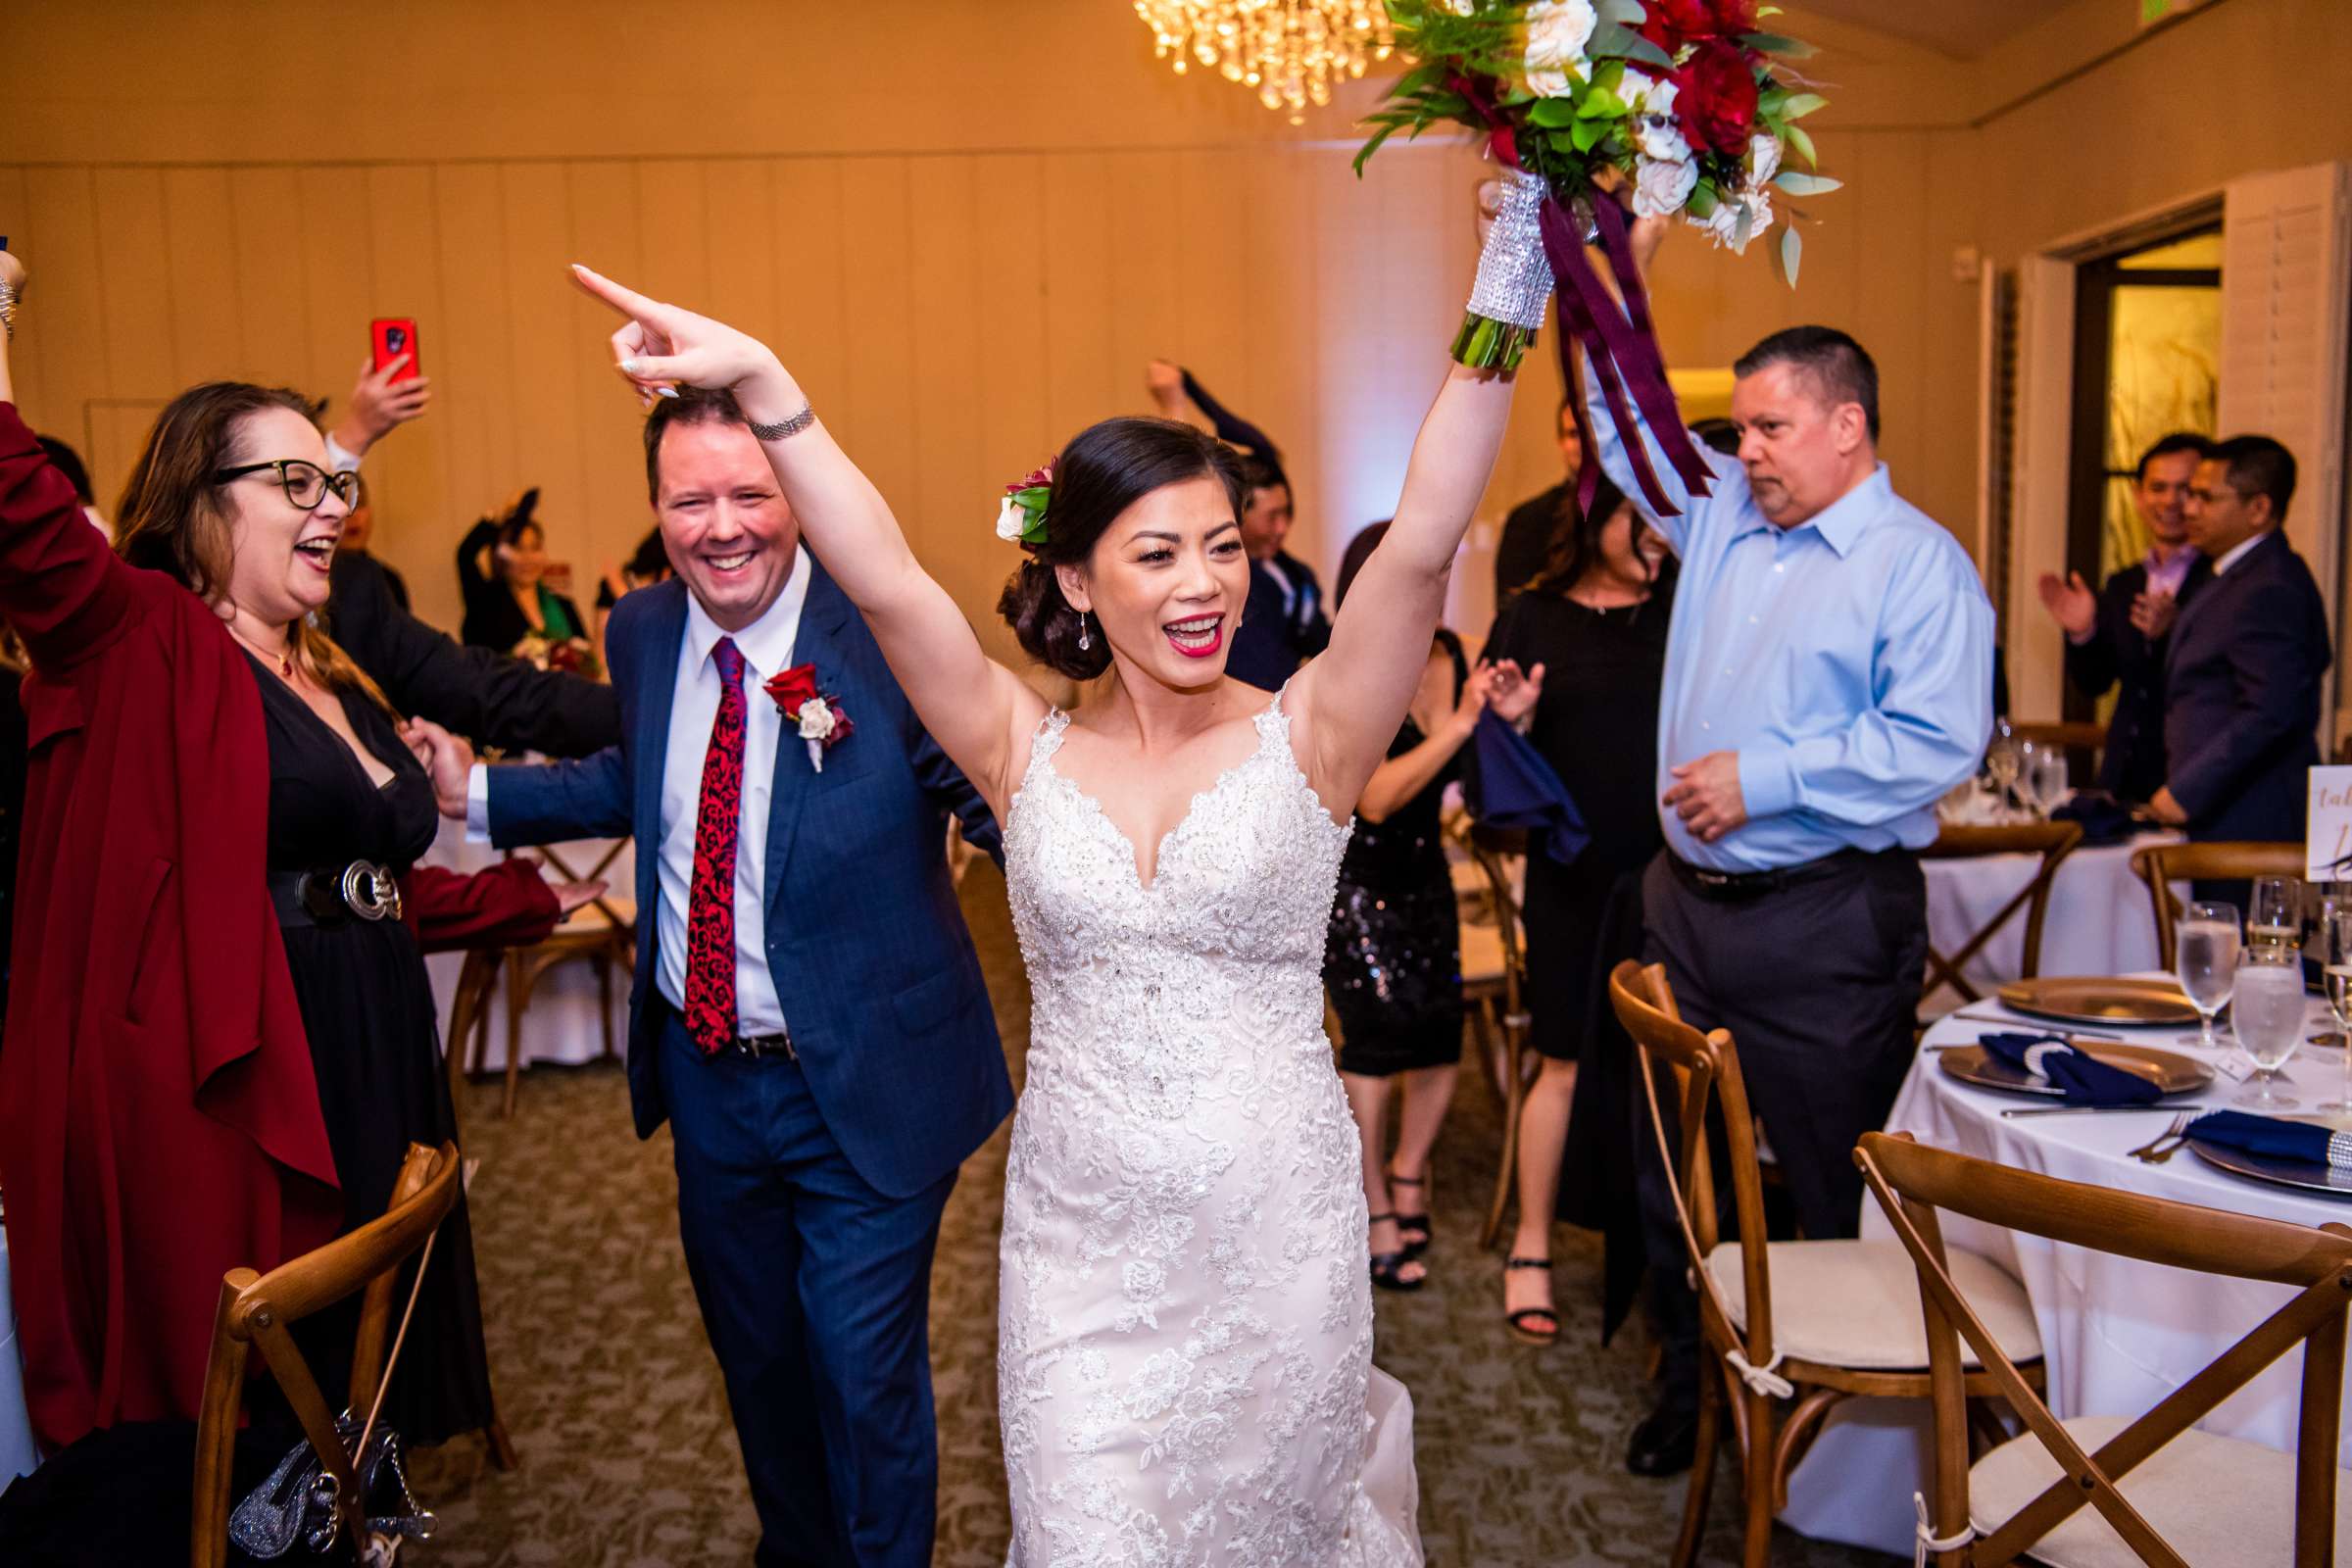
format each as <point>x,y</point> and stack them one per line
<point>368,1008</point>
<point>1597,724</point>
<point>1393,961</point>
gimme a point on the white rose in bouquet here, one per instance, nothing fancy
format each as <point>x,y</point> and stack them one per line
<point>1661,186</point>
<point>1763,159</point>
<point>1724,222</point>
<point>1557,32</point>
<point>1656,133</point>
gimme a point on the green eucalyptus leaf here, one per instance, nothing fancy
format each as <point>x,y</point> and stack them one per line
<point>1702,200</point>
<point>1793,251</point>
<point>1771,43</point>
<point>1802,140</point>
<point>1600,105</point>
<point>1799,105</point>
<point>1551,112</point>
<point>1625,12</point>
<point>1587,134</point>
<point>1798,183</point>
<point>1643,52</point>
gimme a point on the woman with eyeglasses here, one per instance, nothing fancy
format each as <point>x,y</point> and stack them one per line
<point>220,1038</point>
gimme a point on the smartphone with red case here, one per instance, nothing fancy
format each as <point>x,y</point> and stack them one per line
<point>394,336</point>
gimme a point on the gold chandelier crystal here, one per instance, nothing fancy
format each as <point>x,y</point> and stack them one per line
<point>1291,51</point>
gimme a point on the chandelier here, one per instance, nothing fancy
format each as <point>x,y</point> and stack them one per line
<point>1291,51</point>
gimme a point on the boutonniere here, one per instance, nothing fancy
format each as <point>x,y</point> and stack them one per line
<point>822,725</point>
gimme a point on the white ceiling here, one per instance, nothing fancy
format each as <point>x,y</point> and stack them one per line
<point>1960,28</point>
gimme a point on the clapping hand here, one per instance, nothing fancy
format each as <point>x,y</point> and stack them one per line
<point>380,404</point>
<point>447,760</point>
<point>1513,692</point>
<point>2152,614</point>
<point>1477,693</point>
<point>2069,602</point>
<point>661,348</point>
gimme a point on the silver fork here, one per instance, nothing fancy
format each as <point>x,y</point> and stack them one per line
<point>2156,1151</point>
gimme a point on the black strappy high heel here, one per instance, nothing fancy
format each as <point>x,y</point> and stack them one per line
<point>1387,1267</point>
<point>1413,1230</point>
<point>1518,1321</point>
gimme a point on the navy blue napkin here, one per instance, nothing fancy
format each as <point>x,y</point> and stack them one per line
<point>2105,818</point>
<point>2269,1135</point>
<point>2084,1080</point>
<point>1508,784</point>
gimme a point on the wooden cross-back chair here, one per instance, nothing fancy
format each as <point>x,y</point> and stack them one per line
<point>256,1313</point>
<point>2060,1493</point>
<point>1495,985</point>
<point>603,931</point>
<point>2160,866</point>
<point>2053,842</point>
<point>1798,1324</point>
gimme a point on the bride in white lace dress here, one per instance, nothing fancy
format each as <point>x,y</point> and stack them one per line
<point>1184,1363</point>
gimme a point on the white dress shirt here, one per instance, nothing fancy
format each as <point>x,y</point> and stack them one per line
<point>2236,552</point>
<point>766,648</point>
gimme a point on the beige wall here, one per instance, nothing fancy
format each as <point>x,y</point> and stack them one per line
<point>967,223</point>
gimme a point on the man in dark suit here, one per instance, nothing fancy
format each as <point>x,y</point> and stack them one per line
<point>808,1011</point>
<point>1283,623</point>
<point>2248,652</point>
<point>2122,634</point>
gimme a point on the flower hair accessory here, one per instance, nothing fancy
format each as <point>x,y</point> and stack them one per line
<point>1021,519</point>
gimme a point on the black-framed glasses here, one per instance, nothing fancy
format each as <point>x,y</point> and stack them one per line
<point>306,484</point>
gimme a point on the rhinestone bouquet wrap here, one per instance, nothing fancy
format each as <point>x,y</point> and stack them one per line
<point>1514,280</point>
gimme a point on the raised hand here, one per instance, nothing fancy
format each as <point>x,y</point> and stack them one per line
<point>1164,380</point>
<point>1477,693</point>
<point>2070,603</point>
<point>660,348</point>
<point>1514,691</point>
<point>380,404</point>
<point>2152,614</point>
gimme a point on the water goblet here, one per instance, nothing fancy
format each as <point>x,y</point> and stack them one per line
<point>2205,948</point>
<point>2334,936</point>
<point>2275,917</point>
<point>2266,1014</point>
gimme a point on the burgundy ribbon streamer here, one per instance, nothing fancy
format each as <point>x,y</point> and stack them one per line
<point>1623,355</point>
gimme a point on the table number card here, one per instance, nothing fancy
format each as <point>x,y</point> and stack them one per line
<point>2328,842</point>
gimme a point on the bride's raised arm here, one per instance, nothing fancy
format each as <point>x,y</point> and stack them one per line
<point>1352,698</point>
<point>974,708</point>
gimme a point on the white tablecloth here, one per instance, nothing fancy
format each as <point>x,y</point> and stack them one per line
<point>16,1453</point>
<point>565,1023</point>
<point>2116,1335</point>
<point>2099,921</point>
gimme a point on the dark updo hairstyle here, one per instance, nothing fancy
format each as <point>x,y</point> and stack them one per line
<point>1106,469</point>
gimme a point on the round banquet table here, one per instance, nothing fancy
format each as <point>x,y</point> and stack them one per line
<point>2099,921</point>
<point>2116,1335</point>
<point>566,1021</point>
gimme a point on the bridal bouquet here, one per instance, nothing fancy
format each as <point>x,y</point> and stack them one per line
<point>1682,103</point>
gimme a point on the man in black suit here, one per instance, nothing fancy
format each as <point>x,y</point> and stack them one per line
<point>2248,652</point>
<point>2122,634</point>
<point>1283,625</point>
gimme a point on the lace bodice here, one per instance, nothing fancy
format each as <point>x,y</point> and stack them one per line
<point>1185,1346</point>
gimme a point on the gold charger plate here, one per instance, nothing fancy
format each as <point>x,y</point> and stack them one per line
<point>2099,999</point>
<point>2171,1072</point>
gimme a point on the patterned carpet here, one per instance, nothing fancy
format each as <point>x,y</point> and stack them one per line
<point>613,1402</point>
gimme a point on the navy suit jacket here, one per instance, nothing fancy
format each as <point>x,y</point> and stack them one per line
<point>2132,766</point>
<point>2241,705</point>
<point>866,941</point>
<point>1270,645</point>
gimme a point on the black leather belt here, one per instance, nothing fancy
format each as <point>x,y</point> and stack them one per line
<point>760,1046</point>
<point>1738,887</point>
<point>331,895</point>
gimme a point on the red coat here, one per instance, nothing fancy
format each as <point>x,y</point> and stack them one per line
<point>159,1117</point>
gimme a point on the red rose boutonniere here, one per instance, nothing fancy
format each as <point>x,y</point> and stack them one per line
<point>822,725</point>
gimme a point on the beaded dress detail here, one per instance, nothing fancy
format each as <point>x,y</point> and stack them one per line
<point>1184,1354</point>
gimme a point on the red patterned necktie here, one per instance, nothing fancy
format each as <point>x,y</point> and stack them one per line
<point>711,904</point>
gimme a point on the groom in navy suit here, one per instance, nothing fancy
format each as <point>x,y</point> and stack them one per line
<point>808,1011</point>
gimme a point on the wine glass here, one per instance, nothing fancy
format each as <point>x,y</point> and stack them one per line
<point>2266,1014</point>
<point>2336,955</point>
<point>2275,918</point>
<point>2048,779</point>
<point>2205,949</point>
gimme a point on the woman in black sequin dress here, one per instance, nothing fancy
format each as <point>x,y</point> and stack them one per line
<point>1393,963</point>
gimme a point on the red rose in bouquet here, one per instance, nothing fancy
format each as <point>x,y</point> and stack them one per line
<point>1717,98</point>
<point>1672,23</point>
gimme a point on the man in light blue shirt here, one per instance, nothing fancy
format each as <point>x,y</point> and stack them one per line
<point>1828,676</point>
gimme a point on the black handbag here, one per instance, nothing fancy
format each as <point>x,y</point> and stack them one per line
<point>296,1506</point>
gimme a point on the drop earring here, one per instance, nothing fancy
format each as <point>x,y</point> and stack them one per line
<point>1084,641</point>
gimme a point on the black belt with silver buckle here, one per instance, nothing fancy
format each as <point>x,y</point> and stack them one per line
<point>332,895</point>
<point>758,1046</point>
<point>1734,887</point>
